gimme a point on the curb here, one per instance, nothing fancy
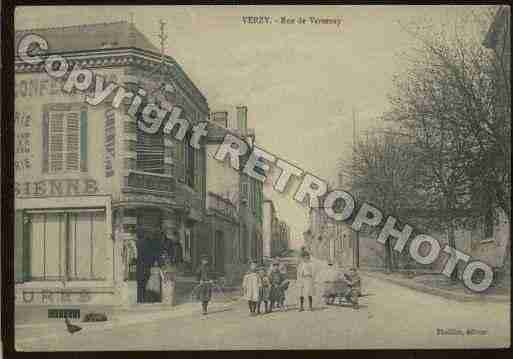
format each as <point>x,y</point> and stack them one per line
<point>461,297</point>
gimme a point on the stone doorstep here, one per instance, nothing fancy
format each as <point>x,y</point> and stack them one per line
<point>463,297</point>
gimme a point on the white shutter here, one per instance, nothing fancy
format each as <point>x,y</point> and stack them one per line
<point>56,141</point>
<point>37,246</point>
<point>99,245</point>
<point>72,141</point>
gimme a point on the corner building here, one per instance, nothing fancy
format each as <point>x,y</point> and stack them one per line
<point>94,194</point>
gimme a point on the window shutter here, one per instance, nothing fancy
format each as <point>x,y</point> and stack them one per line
<point>21,248</point>
<point>73,137</point>
<point>27,235</point>
<point>197,170</point>
<point>56,145</point>
<point>18,247</point>
<point>83,141</point>
<point>45,142</point>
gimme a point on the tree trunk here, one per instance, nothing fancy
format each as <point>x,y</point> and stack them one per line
<point>452,244</point>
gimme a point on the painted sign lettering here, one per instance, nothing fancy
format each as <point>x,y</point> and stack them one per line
<point>56,188</point>
<point>110,123</point>
<point>23,140</point>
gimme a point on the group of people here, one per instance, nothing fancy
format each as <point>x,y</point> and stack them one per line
<point>268,287</point>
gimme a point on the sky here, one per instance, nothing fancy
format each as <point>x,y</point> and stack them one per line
<point>300,82</point>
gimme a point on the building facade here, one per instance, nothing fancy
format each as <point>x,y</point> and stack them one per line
<point>329,240</point>
<point>94,194</point>
<point>251,199</point>
<point>268,227</point>
<point>276,233</point>
<point>234,208</point>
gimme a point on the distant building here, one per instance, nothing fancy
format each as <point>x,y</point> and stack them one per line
<point>268,225</point>
<point>234,220</point>
<point>276,233</point>
<point>327,239</point>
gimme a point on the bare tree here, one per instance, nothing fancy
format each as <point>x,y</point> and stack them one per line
<point>383,171</point>
<point>454,97</point>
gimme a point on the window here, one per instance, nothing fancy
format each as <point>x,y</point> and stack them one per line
<point>198,158</point>
<point>189,160</point>
<point>187,245</point>
<point>64,138</point>
<point>150,152</point>
<point>66,245</point>
<point>245,193</point>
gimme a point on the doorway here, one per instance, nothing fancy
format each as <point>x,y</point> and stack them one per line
<point>219,252</point>
<point>148,252</point>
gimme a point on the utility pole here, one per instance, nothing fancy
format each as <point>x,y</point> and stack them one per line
<point>163,37</point>
<point>356,237</point>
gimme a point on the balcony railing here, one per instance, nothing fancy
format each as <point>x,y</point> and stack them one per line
<point>221,205</point>
<point>151,182</point>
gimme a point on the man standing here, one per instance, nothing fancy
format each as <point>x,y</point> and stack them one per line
<point>305,282</point>
<point>205,277</point>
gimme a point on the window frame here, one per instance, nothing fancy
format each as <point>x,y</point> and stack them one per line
<point>49,111</point>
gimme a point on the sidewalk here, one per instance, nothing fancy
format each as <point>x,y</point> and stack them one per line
<point>118,318</point>
<point>437,285</point>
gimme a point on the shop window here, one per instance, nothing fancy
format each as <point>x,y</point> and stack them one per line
<point>67,245</point>
<point>64,139</point>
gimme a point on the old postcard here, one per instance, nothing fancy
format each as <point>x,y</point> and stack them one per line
<point>262,177</point>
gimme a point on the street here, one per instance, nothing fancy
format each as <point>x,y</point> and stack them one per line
<point>390,317</point>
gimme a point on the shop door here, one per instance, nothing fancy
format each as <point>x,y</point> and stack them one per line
<point>149,244</point>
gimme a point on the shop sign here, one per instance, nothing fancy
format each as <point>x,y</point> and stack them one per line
<point>110,137</point>
<point>55,296</point>
<point>56,188</point>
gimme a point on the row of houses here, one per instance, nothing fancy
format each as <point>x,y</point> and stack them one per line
<point>276,232</point>
<point>95,196</point>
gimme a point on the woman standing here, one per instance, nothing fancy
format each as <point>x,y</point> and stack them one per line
<point>153,285</point>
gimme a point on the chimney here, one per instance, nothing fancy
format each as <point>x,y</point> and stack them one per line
<point>242,119</point>
<point>220,118</point>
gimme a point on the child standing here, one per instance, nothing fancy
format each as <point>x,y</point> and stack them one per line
<point>284,284</point>
<point>354,282</point>
<point>205,276</point>
<point>251,287</point>
<point>277,280</point>
<point>265,288</point>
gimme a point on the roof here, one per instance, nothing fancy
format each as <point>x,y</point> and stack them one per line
<point>113,35</point>
<point>119,34</point>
